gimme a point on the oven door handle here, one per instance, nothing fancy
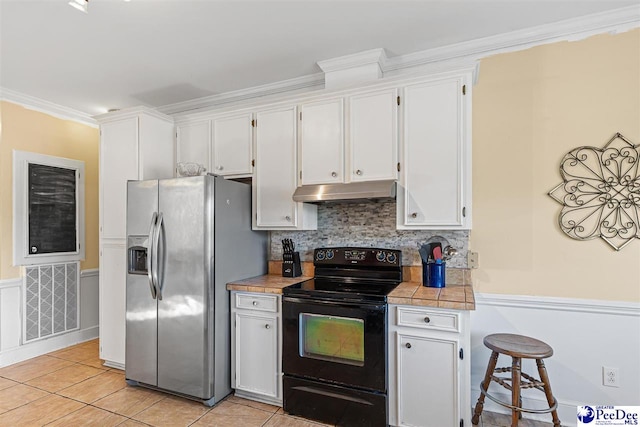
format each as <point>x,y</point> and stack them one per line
<point>334,303</point>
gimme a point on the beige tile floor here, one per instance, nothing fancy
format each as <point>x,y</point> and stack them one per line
<point>71,387</point>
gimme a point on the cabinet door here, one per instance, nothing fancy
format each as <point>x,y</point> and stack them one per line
<point>275,170</point>
<point>322,142</point>
<point>434,149</point>
<point>193,144</point>
<point>428,389</point>
<point>257,338</point>
<point>118,164</point>
<point>155,146</point>
<point>373,136</point>
<point>112,302</point>
<point>232,138</point>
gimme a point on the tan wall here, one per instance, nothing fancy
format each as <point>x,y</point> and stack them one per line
<point>28,130</point>
<point>529,109</point>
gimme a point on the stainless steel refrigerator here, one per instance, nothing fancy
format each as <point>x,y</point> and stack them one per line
<point>187,238</point>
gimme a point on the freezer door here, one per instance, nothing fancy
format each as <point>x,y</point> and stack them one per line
<point>185,324</point>
<point>141,306</point>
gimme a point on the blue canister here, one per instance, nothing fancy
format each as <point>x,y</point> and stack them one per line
<point>433,274</point>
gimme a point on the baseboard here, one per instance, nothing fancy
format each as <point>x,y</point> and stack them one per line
<point>47,345</point>
<point>115,365</point>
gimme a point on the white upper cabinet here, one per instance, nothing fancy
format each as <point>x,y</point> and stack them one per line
<point>193,143</point>
<point>222,145</point>
<point>370,151</point>
<point>322,142</point>
<point>373,135</point>
<point>132,147</point>
<point>274,179</point>
<point>435,182</point>
<point>232,138</point>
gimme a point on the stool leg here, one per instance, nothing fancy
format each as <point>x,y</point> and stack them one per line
<point>484,385</point>
<point>515,390</point>
<point>547,390</point>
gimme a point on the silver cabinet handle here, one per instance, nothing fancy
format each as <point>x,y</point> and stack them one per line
<point>152,284</point>
<point>408,345</point>
<point>427,320</point>
<point>288,218</point>
<point>334,174</point>
<point>358,172</point>
<point>267,326</point>
<point>255,303</point>
<point>220,168</point>
<point>414,215</point>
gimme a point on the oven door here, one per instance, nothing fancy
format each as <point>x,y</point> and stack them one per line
<point>334,341</point>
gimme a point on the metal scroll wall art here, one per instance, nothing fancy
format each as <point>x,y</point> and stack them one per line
<point>600,192</point>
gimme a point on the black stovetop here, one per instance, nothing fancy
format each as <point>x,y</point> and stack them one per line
<point>351,274</point>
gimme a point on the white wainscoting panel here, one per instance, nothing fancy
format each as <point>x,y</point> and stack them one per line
<point>10,313</point>
<point>585,335</point>
<point>89,289</point>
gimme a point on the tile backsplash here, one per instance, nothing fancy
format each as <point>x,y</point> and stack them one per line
<point>368,224</point>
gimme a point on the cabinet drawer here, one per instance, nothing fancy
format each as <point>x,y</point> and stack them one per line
<point>428,319</point>
<point>257,302</point>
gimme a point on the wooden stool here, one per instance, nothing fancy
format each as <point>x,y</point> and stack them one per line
<point>518,347</point>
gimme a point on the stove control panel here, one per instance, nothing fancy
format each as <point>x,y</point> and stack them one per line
<point>369,257</point>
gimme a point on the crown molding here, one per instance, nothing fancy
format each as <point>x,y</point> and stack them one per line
<point>47,107</point>
<point>615,21</point>
<point>131,112</point>
<point>373,56</point>
<point>304,83</point>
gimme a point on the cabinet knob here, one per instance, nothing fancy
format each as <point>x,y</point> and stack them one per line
<point>288,218</point>
<point>267,326</point>
<point>414,215</point>
<point>334,174</point>
<point>427,320</point>
<point>219,168</point>
<point>255,303</point>
<point>408,345</point>
<point>358,172</point>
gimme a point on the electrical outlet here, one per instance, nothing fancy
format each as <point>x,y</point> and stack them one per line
<point>472,259</point>
<point>610,377</point>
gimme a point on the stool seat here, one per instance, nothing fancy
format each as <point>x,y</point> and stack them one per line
<point>518,346</point>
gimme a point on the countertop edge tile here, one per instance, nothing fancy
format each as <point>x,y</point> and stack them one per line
<point>458,297</point>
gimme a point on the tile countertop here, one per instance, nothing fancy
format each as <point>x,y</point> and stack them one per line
<point>458,294</point>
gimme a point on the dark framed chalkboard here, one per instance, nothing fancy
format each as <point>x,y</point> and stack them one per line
<point>48,210</point>
<point>52,209</point>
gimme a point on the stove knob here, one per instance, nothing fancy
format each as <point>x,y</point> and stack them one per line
<point>330,254</point>
<point>319,255</point>
<point>380,256</point>
<point>392,258</point>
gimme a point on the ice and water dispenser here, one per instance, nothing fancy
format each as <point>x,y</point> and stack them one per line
<point>137,254</point>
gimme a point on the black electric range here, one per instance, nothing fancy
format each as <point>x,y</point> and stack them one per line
<point>335,337</point>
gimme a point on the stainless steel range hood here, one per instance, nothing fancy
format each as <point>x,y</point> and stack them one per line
<point>352,192</point>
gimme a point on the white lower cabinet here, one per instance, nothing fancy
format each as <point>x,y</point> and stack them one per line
<point>256,337</point>
<point>429,367</point>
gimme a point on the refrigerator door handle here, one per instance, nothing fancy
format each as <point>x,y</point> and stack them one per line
<point>156,241</point>
<point>150,256</point>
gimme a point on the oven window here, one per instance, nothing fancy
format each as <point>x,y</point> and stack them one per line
<point>337,339</point>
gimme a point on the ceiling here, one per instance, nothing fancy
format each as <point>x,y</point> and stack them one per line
<point>158,52</point>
